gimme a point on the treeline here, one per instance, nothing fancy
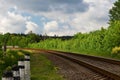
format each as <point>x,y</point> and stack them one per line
<point>18,39</point>
<point>22,40</point>
<point>102,41</point>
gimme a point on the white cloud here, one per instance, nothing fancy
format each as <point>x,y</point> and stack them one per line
<point>51,26</point>
<point>57,20</point>
<point>12,23</point>
<point>93,19</point>
<point>31,26</point>
<point>54,28</point>
<point>16,23</point>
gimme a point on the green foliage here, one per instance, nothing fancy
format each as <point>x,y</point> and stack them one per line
<point>116,50</point>
<point>115,11</point>
<point>91,41</point>
<point>32,37</point>
<point>112,37</point>
<point>6,61</point>
<point>20,40</point>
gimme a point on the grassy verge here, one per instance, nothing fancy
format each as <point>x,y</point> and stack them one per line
<point>101,54</point>
<point>43,69</point>
<point>94,53</point>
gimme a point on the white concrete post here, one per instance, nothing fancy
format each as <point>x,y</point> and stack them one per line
<point>16,74</point>
<point>7,75</point>
<point>27,67</point>
<point>21,69</point>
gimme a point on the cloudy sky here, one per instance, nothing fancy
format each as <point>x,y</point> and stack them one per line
<point>60,17</point>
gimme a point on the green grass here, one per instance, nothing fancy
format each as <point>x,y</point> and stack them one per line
<point>94,53</point>
<point>43,69</point>
<point>100,54</point>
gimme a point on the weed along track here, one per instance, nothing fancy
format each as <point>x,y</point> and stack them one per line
<point>83,67</point>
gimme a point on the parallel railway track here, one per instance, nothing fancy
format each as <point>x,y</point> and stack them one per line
<point>105,69</point>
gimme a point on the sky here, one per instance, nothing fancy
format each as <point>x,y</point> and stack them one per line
<point>54,17</point>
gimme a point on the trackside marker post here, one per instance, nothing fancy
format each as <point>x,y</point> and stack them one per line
<point>7,75</point>
<point>16,74</point>
<point>27,66</point>
<point>21,65</point>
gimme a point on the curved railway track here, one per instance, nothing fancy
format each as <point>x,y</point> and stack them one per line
<point>99,68</point>
<point>73,71</point>
<point>107,67</point>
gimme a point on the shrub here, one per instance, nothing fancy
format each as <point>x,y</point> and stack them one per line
<point>116,50</point>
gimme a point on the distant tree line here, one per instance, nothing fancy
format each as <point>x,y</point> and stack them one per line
<point>22,40</point>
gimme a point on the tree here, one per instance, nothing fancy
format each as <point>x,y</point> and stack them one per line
<point>5,38</point>
<point>112,37</point>
<point>33,37</point>
<point>114,13</point>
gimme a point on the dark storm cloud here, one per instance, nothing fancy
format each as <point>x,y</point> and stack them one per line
<point>65,6</point>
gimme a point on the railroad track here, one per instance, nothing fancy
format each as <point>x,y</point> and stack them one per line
<point>73,71</point>
<point>106,67</point>
<point>102,68</point>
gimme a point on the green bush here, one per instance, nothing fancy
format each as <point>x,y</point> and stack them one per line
<point>116,50</point>
<point>8,60</point>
